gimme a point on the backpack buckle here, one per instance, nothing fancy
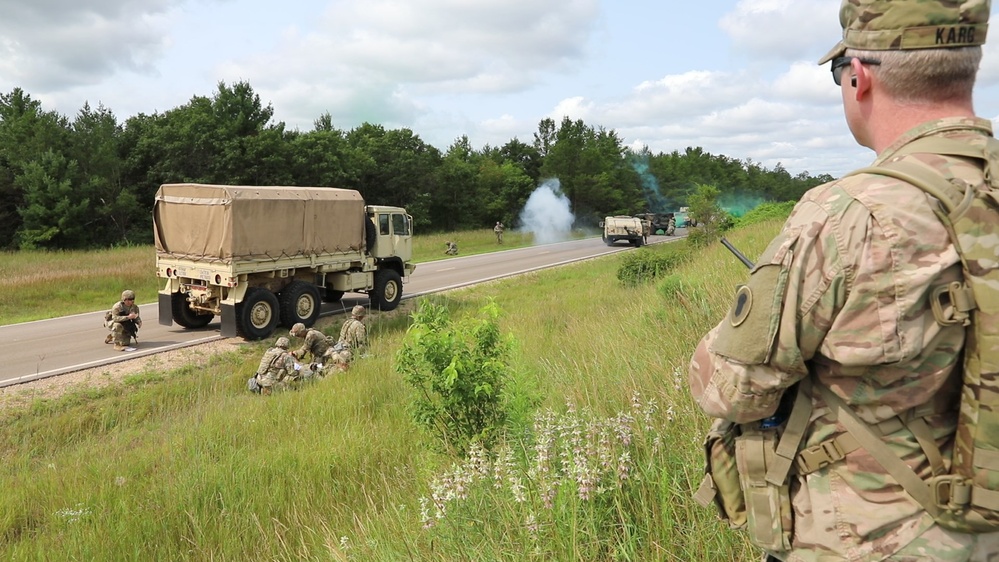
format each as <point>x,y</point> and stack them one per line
<point>951,491</point>
<point>819,456</point>
<point>952,304</point>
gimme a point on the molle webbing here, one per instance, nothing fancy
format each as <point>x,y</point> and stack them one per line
<point>967,499</point>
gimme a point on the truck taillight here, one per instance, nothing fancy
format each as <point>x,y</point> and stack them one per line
<point>218,279</point>
<point>169,272</point>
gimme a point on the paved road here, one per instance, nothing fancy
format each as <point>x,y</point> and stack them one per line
<point>35,350</point>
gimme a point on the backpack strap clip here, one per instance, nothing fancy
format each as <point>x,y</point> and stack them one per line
<point>952,304</point>
<point>951,491</point>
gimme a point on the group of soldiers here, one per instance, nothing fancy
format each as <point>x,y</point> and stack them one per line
<point>280,369</point>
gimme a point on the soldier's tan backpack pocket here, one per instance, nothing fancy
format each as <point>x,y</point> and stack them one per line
<point>768,506</point>
<point>721,485</point>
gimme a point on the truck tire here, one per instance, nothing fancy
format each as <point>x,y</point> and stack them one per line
<point>388,290</point>
<point>257,316</point>
<point>332,295</point>
<point>300,302</point>
<point>184,316</point>
<point>607,241</point>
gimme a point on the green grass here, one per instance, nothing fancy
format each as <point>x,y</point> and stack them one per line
<point>186,465</point>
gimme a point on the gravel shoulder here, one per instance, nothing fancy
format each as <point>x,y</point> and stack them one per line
<point>20,396</point>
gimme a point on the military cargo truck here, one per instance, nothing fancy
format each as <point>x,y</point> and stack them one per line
<point>623,227</point>
<point>259,257</point>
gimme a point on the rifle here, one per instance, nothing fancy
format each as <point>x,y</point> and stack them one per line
<point>746,261</point>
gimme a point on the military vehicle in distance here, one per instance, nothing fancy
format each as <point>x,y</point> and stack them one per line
<point>263,256</point>
<point>623,227</point>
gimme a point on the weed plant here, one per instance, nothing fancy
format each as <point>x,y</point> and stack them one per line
<point>597,462</point>
<point>645,266</point>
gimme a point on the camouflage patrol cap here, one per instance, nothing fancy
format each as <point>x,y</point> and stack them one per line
<point>894,25</point>
<point>282,342</point>
<point>358,310</point>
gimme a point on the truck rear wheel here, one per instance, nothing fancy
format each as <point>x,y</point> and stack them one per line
<point>257,315</point>
<point>388,290</point>
<point>300,303</point>
<point>184,316</point>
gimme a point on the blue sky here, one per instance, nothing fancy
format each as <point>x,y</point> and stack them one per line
<point>735,77</point>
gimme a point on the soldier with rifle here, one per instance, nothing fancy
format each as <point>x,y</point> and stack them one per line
<point>846,316</point>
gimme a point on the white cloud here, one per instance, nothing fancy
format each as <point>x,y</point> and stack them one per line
<point>783,29</point>
<point>49,45</point>
<point>391,50</point>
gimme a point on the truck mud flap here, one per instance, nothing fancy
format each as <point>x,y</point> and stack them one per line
<point>228,320</point>
<point>165,309</point>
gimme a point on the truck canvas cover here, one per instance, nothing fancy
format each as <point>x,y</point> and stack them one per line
<point>236,223</point>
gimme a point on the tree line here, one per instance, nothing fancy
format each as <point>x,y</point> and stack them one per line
<point>89,181</point>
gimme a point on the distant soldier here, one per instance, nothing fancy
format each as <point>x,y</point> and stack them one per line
<point>452,248</point>
<point>276,369</point>
<point>671,225</point>
<point>315,342</point>
<point>123,321</point>
<point>498,229</point>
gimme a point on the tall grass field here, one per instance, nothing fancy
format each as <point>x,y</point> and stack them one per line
<point>597,459</point>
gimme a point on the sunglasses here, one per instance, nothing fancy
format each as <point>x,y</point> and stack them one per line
<point>839,63</point>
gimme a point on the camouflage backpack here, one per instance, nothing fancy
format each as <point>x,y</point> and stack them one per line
<point>965,498</point>
<point>748,464</point>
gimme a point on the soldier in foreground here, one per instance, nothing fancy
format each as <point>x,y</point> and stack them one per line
<point>838,308</point>
<point>276,369</point>
<point>123,321</point>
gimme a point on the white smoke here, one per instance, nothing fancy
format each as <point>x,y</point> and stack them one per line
<point>546,213</point>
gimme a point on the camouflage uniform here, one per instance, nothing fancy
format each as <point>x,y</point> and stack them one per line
<point>842,295</point>
<point>353,340</point>
<point>353,334</point>
<point>276,369</point>
<point>315,343</point>
<point>119,314</point>
<point>498,229</point>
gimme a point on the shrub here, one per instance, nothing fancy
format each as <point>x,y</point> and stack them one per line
<point>458,371</point>
<point>645,265</point>
<point>765,212</point>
